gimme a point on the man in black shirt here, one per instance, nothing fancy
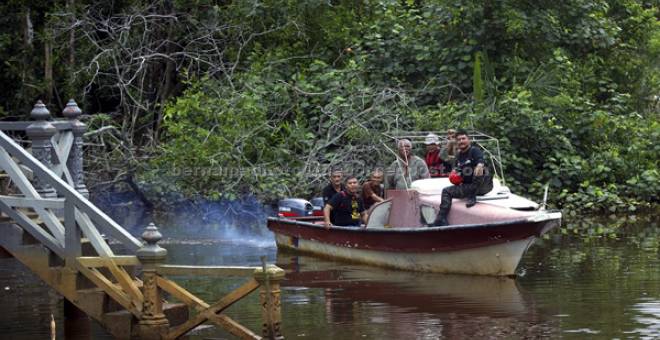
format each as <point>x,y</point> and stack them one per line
<point>335,185</point>
<point>345,208</point>
<point>476,178</point>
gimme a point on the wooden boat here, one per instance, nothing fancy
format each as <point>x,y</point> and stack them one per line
<point>487,239</point>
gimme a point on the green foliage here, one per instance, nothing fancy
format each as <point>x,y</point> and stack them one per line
<point>264,136</point>
<point>477,79</point>
<point>570,87</point>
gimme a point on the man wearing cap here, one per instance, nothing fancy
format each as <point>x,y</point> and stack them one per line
<point>406,168</point>
<point>433,160</point>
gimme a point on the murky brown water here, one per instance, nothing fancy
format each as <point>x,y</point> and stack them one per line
<point>570,287</point>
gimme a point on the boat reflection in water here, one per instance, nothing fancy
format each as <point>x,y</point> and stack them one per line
<point>412,305</point>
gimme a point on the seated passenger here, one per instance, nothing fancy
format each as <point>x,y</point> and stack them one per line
<point>345,208</point>
<point>372,190</point>
<point>433,159</point>
<point>472,177</point>
<point>335,185</point>
<point>406,168</point>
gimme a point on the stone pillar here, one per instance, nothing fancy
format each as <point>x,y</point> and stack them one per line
<point>153,324</point>
<point>41,132</point>
<point>75,161</point>
<point>269,278</point>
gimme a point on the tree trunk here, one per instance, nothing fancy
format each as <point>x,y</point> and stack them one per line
<point>48,67</point>
<point>71,8</point>
<point>168,83</point>
<point>28,38</point>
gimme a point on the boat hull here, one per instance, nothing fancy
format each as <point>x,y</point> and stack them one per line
<point>494,249</point>
<point>499,259</point>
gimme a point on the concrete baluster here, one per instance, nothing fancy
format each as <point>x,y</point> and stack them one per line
<point>41,132</point>
<point>269,279</point>
<point>75,161</point>
<point>153,324</point>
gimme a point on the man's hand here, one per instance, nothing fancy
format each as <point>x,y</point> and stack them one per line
<point>479,170</point>
<point>327,225</point>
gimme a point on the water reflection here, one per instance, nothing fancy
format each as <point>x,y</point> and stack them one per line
<point>413,305</point>
<point>574,288</point>
<point>648,317</point>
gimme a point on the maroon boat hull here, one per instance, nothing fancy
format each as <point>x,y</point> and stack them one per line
<point>424,239</point>
<point>486,249</point>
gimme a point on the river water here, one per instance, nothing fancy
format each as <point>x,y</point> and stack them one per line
<point>601,282</point>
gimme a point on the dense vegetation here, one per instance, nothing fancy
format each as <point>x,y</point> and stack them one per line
<point>224,98</point>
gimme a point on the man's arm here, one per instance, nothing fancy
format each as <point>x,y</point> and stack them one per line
<point>423,170</point>
<point>326,216</point>
<point>363,213</point>
<point>367,192</point>
<point>478,157</point>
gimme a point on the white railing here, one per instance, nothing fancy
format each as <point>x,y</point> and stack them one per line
<point>78,211</point>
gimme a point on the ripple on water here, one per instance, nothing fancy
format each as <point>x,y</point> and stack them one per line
<point>647,315</point>
<point>582,331</point>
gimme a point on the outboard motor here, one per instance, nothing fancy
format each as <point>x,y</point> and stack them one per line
<point>294,207</point>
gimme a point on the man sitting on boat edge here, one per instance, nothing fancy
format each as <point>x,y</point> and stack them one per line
<point>470,179</point>
<point>345,208</point>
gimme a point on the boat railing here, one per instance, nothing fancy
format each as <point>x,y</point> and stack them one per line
<point>489,144</point>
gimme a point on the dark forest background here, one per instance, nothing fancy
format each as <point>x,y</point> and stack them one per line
<point>221,99</point>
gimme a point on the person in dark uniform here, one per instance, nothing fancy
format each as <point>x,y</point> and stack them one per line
<point>472,177</point>
<point>335,185</point>
<point>345,208</point>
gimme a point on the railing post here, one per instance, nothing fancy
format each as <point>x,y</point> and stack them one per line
<point>41,132</point>
<point>153,324</point>
<point>72,234</point>
<point>269,278</point>
<point>75,161</point>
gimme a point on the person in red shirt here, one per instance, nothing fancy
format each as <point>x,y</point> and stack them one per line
<point>433,160</point>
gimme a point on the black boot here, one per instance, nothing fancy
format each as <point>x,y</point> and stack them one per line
<point>441,219</point>
<point>471,201</point>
